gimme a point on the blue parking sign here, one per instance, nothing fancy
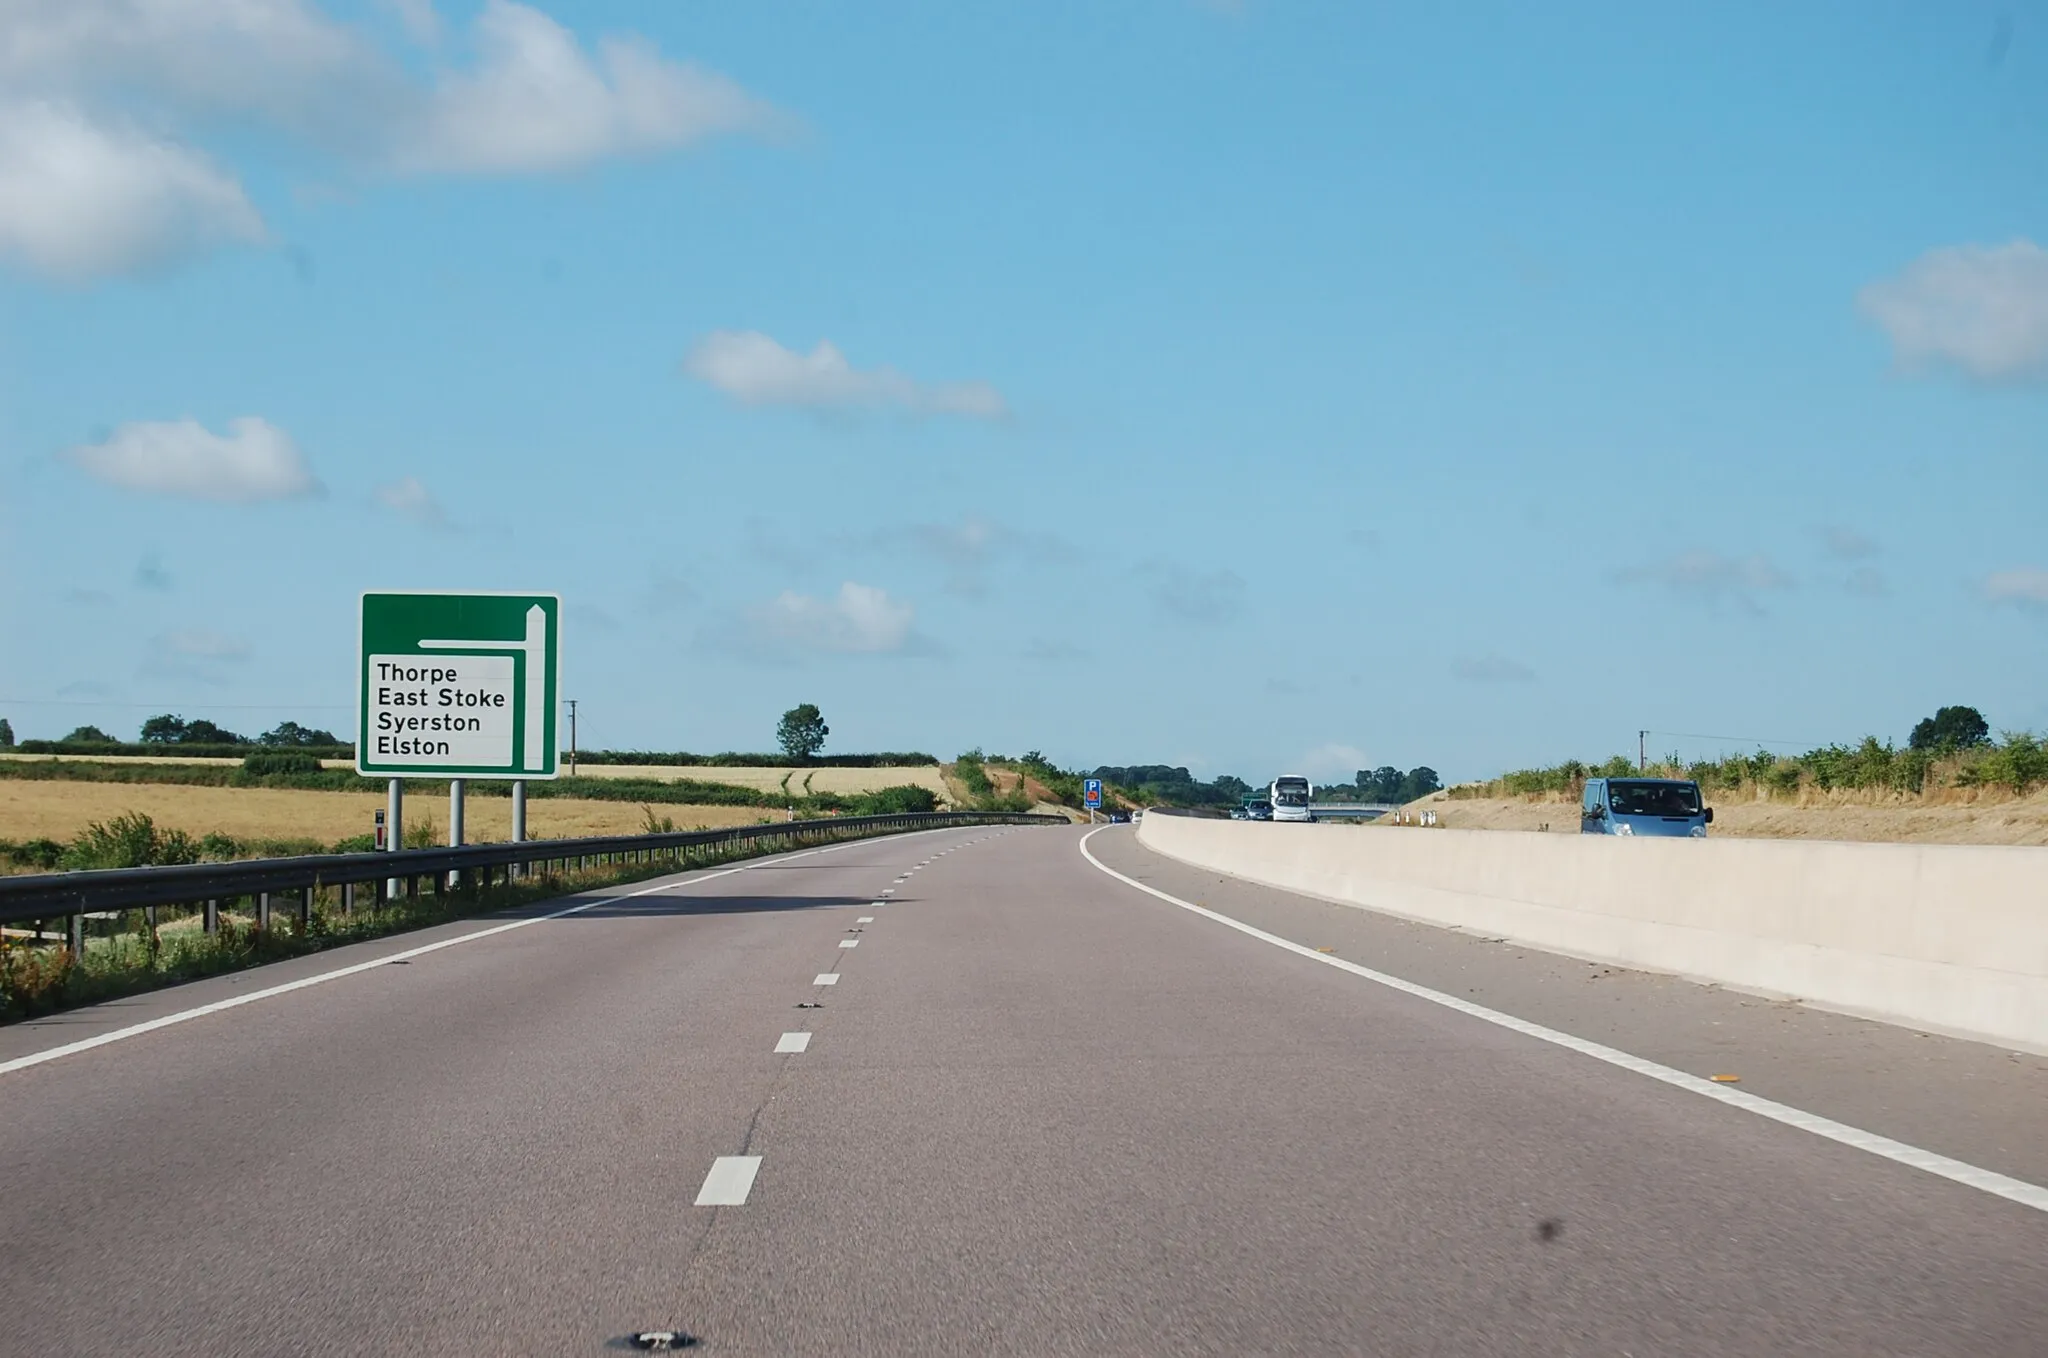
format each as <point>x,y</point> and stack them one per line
<point>1091,792</point>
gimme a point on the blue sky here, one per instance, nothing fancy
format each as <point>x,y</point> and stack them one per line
<point>1243,386</point>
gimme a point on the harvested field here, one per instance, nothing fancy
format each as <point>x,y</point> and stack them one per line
<point>762,778</point>
<point>770,779</point>
<point>1993,819</point>
<point>59,810</point>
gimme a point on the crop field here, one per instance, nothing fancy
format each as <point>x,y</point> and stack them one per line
<point>762,778</point>
<point>59,810</point>
<point>768,779</point>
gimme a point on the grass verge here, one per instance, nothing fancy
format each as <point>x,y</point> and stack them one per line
<point>125,956</point>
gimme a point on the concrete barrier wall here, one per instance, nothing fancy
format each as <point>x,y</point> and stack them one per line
<point>1946,937</point>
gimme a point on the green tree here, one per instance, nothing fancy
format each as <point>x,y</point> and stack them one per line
<point>1231,789</point>
<point>1420,782</point>
<point>204,732</point>
<point>802,731</point>
<point>164,729</point>
<point>91,735</point>
<point>291,733</point>
<point>1951,728</point>
<point>6,734</point>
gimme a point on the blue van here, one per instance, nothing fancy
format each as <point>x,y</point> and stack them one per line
<point>1668,807</point>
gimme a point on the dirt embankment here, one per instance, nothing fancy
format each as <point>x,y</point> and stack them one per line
<point>1977,816</point>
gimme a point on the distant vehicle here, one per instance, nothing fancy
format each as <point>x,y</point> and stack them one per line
<point>1240,813</point>
<point>1119,817</point>
<point>1258,808</point>
<point>1669,808</point>
<point>1290,793</point>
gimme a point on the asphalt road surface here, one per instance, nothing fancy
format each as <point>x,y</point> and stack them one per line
<point>1040,1112</point>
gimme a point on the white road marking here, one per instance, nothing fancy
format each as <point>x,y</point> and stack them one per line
<point>792,1042</point>
<point>888,891</point>
<point>386,959</point>
<point>849,943</point>
<point>730,1180</point>
<point>876,905</point>
<point>136,1030</point>
<point>826,978</point>
<point>1956,1171</point>
<point>865,919</point>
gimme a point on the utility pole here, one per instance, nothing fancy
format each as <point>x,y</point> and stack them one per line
<point>1642,751</point>
<point>572,735</point>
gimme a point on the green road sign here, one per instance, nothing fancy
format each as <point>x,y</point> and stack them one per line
<point>459,685</point>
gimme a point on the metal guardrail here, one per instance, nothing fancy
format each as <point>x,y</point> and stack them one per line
<point>74,895</point>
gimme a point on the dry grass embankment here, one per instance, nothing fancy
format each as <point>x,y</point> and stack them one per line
<point>60,810</point>
<point>1949,816</point>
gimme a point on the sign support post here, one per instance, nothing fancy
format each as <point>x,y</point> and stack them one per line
<point>394,826</point>
<point>519,820</point>
<point>456,788</point>
<point>458,686</point>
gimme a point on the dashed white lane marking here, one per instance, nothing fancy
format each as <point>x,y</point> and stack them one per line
<point>888,891</point>
<point>865,919</point>
<point>826,978</point>
<point>849,943</point>
<point>384,960</point>
<point>1956,1171</point>
<point>730,1180</point>
<point>792,1042</point>
<point>876,905</point>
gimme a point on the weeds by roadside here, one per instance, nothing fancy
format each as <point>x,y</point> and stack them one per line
<point>41,977</point>
<point>2012,766</point>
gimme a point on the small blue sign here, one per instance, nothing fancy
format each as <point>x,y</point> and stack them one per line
<point>1091,792</point>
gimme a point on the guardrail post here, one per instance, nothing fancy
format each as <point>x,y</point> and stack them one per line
<point>74,931</point>
<point>209,918</point>
<point>305,910</point>
<point>348,899</point>
<point>263,911</point>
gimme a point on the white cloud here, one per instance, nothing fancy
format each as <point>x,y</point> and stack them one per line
<point>535,101</point>
<point>1847,543</point>
<point>280,58</point>
<point>98,177</point>
<point>79,199</point>
<point>200,643</point>
<point>2027,587</point>
<point>1196,596</point>
<point>1982,309</point>
<point>419,18</point>
<point>1712,576</point>
<point>1492,669</point>
<point>254,461</point>
<point>753,369</point>
<point>409,499</point>
<point>859,619</point>
<point>1331,763</point>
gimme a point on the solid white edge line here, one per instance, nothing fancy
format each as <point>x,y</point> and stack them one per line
<point>729,1181</point>
<point>86,1044</point>
<point>790,1043</point>
<point>1956,1171</point>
